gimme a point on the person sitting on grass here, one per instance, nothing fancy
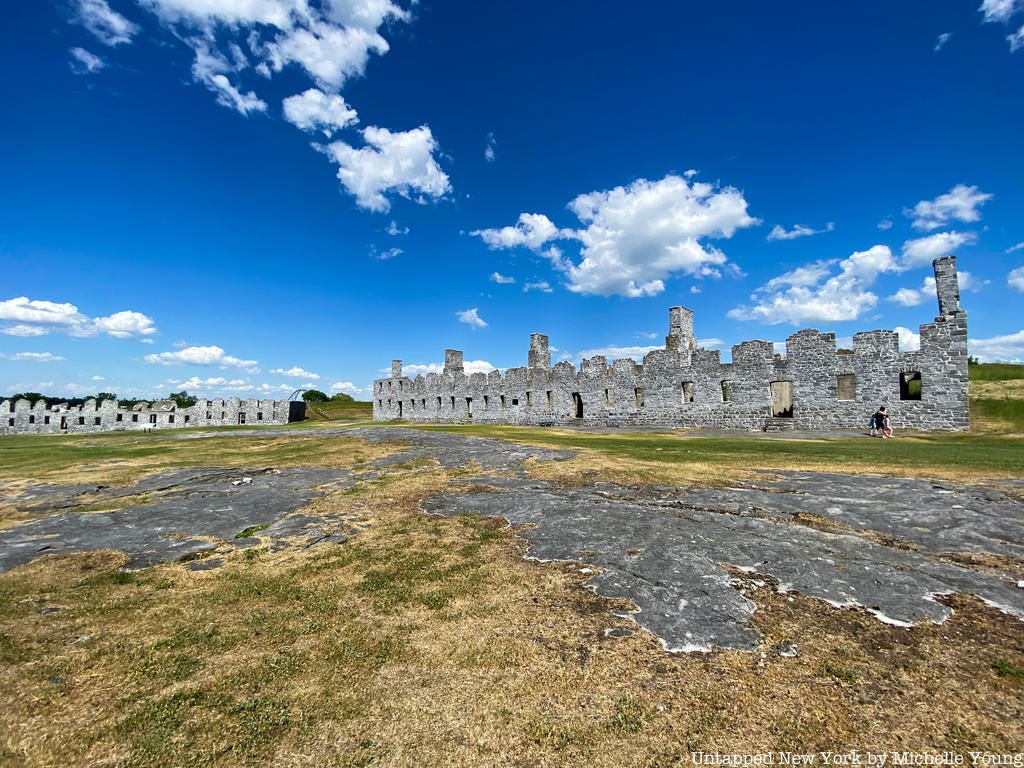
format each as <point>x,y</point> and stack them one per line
<point>878,421</point>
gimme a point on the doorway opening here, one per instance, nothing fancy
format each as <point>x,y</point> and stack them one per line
<point>782,398</point>
<point>577,404</point>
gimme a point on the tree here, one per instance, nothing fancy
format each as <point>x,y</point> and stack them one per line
<point>314,396</point>
<point>105,396</point>
<point>32,397</point>
<point>183,399</point>
<point>341,397</point>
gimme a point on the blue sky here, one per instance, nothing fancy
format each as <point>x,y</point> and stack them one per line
<point>248,196</point>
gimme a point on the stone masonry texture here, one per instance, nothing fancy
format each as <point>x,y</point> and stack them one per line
<point>813,386</point>
<point>21,417</point>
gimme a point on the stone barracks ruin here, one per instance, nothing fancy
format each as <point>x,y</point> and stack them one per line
<point>22,417</point>
<point>813,386</point>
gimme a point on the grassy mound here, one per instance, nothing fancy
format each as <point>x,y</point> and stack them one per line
<point>339,410</point>
<point>997,397</point>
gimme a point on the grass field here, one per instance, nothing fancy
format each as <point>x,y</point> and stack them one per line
<point>432,641</point>
<point>996,372</point>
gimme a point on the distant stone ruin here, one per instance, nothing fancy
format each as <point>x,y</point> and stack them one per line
<point>22,417</point>
<point>813,386</point>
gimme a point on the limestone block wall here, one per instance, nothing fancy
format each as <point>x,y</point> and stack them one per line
<point>815,385</point>
<point>21,417</point>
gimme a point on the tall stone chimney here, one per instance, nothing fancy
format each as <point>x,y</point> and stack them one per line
<point>680,330</point>
<point>396,369</point>
<point>540,355</point>
<point>453,361</point>
<point>947,286</point>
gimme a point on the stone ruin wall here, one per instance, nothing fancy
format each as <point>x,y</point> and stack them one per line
<point>21,417</point>
<point>682,386</point>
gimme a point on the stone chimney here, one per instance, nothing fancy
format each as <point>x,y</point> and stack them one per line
<point>680,330</point>
<point>453,361</point>
<point>396,369</point>
<point>947,286</point>
<point>540,355</point>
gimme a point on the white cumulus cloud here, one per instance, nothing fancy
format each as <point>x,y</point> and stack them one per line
<point>385,255</point>
<point>924,250</point>
<point>296,372</point>
<point>36,357</point>
<point>471,318</point>
<point>315,110</point>
<point>400,162</point>
<point>961,203</point>
<point>909,341</point>
<point>489,154</point>
<point>330,41</point>
<point>231,13</point>
<point>125,325</point>
<point>532,230</point>
<point>422,369</point>
<point>1016,39</point>
<point>911,297</point>
<point>799,230</point>
<point>211,68</point>
<point>330,54</point>
<point>109,26</point>
<point>211,355</point>
<point>33,317</point>
<point>349,388</point>
<point>541,285</point>
<point>500,279</point>
<point>25,330</point>
<point>613,352</point>
<point>1016,278</point>
<point>1008,348</point>
<point>43,313</point>
<point>800,296</point>
<point>85,63</point>
<point>1000,10</point>
<point>635,237</point>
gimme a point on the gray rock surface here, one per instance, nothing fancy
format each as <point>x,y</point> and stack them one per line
<point>192,510</point>
<point>665,548</point>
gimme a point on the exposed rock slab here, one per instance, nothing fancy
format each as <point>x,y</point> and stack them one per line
<point>194,511</point>
<point>665,548</point>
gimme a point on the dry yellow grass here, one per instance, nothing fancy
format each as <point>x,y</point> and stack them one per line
<point>431,641</point>
<point>1010,389</point>
<point>109,461</point>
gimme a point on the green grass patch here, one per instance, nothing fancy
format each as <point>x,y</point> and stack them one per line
<point>999,414</point>
<point>840,673</point>
<point>339,411</point>
<point>247,532</point>
<point>995,372</point>
<point>933,452</point>
<point>121,457</point>
<point>631,715</point>
<point>1006,669</point>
